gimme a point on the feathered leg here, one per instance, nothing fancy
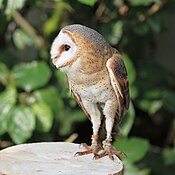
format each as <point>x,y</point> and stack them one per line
<point>109,112</point>
<point>95,117</point>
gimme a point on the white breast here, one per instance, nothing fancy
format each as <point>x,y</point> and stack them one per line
<point>95,93</point>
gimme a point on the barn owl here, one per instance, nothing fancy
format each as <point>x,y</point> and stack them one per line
<point>96,76</point>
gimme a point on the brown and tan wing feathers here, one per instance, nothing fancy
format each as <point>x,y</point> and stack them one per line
<point>78,100</point>
<point>119,82</point>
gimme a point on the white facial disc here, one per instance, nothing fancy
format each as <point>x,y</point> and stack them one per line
<point>65,56</point>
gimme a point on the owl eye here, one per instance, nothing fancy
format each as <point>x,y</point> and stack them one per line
<point>66,47</point>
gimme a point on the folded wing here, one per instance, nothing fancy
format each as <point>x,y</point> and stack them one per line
<point>119,82</point>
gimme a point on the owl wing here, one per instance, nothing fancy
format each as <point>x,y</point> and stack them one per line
<point>119,82</point>
<point>78,100</point>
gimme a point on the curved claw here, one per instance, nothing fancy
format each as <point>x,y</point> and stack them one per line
<point>109,150</point>
<point>81,153</point>
<point>103,154</point>
<point>124,154</point>
<point>95,156</point>
<point>119,154</point>
<point>88,150</point>
<point>76,154</point>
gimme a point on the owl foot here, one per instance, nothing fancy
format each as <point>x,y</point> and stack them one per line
<point>109,150</point>
<point>89,149</point>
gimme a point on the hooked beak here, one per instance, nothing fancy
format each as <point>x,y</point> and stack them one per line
<point>54,60</point>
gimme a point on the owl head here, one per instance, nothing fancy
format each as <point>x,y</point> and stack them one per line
<point>79,42</point>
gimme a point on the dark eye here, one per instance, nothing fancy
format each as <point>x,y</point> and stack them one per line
<point>66,47</point>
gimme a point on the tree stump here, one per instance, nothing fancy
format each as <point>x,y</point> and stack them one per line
<point>54,159</point>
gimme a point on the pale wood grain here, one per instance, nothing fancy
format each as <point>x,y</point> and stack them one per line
<point>54,159</point>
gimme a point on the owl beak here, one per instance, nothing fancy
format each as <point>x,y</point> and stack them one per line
<point>54,60</point>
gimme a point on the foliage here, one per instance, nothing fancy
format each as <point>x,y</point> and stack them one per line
<point>35,103</point>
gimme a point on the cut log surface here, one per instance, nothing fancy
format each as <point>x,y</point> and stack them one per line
<point>54,159</point>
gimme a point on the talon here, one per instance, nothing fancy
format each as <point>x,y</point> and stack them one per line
<point>120,154</point>
<point>76,154</point>
<point>88,150</point>
<point>94,158</point>
<point>79,153</point>
<point>110,151</point>
<point>124,154</point>
<point>112,158</point>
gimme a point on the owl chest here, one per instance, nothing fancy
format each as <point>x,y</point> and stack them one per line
<point>100,92</point>
<point>94,87</point>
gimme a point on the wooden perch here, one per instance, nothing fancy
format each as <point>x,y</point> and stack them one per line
<point>54,159</point>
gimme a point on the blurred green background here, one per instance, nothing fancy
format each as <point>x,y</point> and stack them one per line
<point>35,104</point>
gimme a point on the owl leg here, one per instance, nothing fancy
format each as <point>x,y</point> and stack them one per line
<point>95,116</point>
<point>109,112</point>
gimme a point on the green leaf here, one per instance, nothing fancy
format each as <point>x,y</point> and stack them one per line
<point>88,2</point>
<point>4,74</point>
<point>141,2</point>
<point>133,91</point>
<point>169,156</point>
<point>11,5</point>
<point>21,124</point>
<point>135,148</point>
<point>68,119</point>
<point>168,100</point>
<point>130,68</point>
<point>51,98</point>
<point>127,121</point>
<point>118,3</point>
<point>30,76</point>
<point>7,101</point>
<point>117,32</point>
<point>1,3</point>
<point>44,116</point>
<point>142,28</point>
<point>132,169</point>
<point>62,84</point>
<point>150,106</point>
<point>51,25</point>
<point>112,31</point>
<point>155,23</point>
<point>7,56</point>
<point>152,94</point>
<point>155,106</point>
<point>22,39</point>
